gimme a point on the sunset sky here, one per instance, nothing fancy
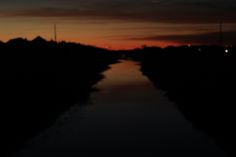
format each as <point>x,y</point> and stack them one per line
<point>120,24</point>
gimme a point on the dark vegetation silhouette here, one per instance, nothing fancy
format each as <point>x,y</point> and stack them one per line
<point>202,82</point>
<point>40,80</point>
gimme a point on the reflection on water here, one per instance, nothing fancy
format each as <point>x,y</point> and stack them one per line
<point>124,80</point>
<point>123,75</point>
<point>129,117</point>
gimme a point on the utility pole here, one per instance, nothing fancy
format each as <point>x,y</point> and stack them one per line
<point>221,34</point>
<point>55,32</point>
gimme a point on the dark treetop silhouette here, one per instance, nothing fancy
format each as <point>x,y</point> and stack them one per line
<point>39,80</point>
<point>202,81</point>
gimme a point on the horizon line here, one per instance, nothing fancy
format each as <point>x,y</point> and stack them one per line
<point>111,49</point>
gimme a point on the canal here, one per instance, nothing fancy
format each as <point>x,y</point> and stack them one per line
<point>127,116</point>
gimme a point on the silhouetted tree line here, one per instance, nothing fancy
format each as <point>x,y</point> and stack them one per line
<point>202,82</point>
<point>41,79</point>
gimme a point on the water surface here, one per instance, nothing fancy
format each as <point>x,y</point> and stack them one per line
<point>128,116</point>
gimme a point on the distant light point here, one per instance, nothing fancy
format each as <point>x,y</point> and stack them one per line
<point>226,51</point>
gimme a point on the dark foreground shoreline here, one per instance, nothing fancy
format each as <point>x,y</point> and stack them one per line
<point>202,82</point>
<point>40,80</point>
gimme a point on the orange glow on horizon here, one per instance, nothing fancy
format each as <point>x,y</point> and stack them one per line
<point>105,43</point>
<point>132,45</point>
<point>105,34</point>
